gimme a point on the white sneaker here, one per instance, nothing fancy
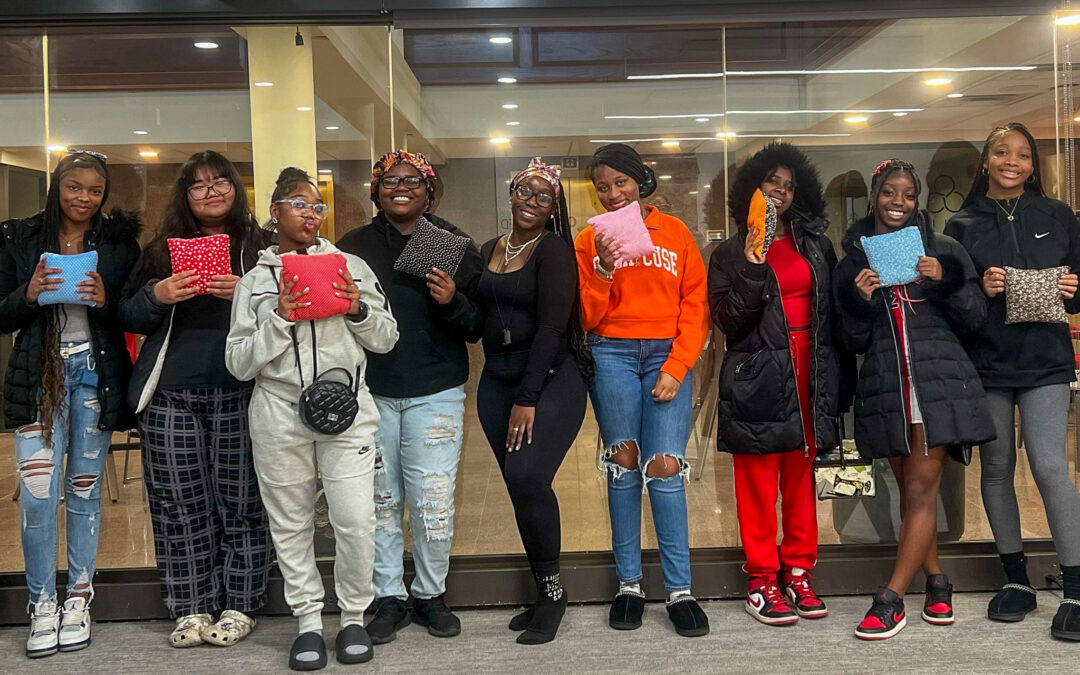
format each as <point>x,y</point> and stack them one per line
<point>44,630</point>
<point>232,627</point>
<point>188,631</point>
<point>75,626</point>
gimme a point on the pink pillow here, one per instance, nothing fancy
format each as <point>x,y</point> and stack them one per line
<point>208,256</point>
<point>318,273</point>
<point>628,229</point>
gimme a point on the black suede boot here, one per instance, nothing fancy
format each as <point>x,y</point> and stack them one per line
<point>1066,624</point>
<point>1017,598</point>
<point>548,611</point>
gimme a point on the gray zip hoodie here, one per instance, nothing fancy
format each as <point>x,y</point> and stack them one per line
<point>260,346</point>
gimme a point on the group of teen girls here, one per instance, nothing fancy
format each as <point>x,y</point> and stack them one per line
<point>231,469</point>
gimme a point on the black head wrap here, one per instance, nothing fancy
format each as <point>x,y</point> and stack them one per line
<point>625,159</point>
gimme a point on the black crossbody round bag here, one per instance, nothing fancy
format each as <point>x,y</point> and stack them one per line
<point>326,406</point>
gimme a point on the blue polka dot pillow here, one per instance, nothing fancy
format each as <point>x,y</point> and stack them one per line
<point>73,269</point>
<point>894,255</point>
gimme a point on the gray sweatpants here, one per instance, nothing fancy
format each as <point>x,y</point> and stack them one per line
<point>1044,417</point>
<point>289,458</point>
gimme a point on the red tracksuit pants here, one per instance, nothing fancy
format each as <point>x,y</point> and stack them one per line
<point>760,479</point>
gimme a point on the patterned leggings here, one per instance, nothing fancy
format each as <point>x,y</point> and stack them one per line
<point>210,532</point>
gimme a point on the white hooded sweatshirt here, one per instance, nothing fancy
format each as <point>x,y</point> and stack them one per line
<point>260,343</point>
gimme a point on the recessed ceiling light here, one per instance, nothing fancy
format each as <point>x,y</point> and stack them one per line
<point>701,119</point>
<point>57,148</point>
<point>665,177</point>
<point>507,182</point>
<point>693,192</point>
<point>705,187</point>
<point>513,124</point>
<point>956,94</point>
<point>333,127</point>
<point>140,132</point>
<point>148,154</point>
<point>1076,119</point>
<point>264,84</point>
<point>1069,20</point>
<point>856,119</point>
<point>326,171</point>
<point>937,81</point>
<point>509,106</point>
<point>899,114</point>
<point>304,108</point>
<point>507,80</point>
<point>651,163</point>
<point>500,40</point>
<point>206,45</point>
<point>500,140</point>
<point>670,144</point>
<point>367,185</point>
<point>727,134</point>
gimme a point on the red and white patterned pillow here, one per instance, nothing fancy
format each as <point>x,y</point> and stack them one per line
<point>318,273</point>
<point>209,256</point>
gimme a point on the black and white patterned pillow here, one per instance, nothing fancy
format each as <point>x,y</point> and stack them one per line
<point>430,246</point>
<point>1033,295</point>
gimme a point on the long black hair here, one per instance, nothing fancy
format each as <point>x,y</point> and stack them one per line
<point>882,173</point>
<point>981,183</point>
<point>52,366</point>
<point>807,203</point>
<point>180,223</point>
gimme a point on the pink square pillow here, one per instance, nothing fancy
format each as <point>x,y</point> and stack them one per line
<point>318,273</point>
<point>209,256</point>
<point>628,229</point>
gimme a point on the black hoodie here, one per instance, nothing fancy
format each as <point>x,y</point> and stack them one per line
<point>1043,234</point>
<point>430,355</point>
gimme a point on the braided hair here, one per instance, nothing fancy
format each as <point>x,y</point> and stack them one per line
<point>882,173</point>
<point>981,184</point>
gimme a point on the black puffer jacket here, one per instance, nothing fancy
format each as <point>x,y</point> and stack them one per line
<point>948,391</point>
<point>1043,234</point>
<point>759,404</point>
<point>117,245</point>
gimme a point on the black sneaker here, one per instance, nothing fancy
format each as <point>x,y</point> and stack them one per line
<point>353,645</point>
<point>308,652</point>
<point>436,616</point>
<point>626,611</point>
<point>391,615</point>
<point>1066,624</point>
<point>937,608</point>
<point>688,617</point>
<point>1012,603</point>
<point>886,617</point>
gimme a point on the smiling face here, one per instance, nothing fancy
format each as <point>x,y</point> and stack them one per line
<point>528,214</point>
<point>400,203</point>
<point>1009,164</point>
<point>212,207</point>
<point>896,201</point>
<point>81,193</point>
<point>779,186</point>
<point>614,188</point>
<point>297,228</point>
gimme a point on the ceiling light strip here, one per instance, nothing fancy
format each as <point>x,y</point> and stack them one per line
<point>833,71</point>
<point>864,111</point>
<point>713,138</point>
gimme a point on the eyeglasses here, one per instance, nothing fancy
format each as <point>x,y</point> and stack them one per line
<point>544,199</point>
<point>96,155</point>
<point>220,188</point>
<point>391,182</point>
<point>319,210</point>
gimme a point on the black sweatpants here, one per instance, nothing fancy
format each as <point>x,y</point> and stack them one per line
<point>528,472</point>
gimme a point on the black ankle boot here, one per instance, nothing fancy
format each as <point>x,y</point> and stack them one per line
<point>548,611</point>
<point>1017,598</point>
<point>1066,624</point>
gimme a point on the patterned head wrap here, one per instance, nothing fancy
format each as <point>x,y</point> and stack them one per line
<point>548,172</point>
<point>392,159</point>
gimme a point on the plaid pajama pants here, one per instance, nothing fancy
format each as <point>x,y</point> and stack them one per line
<point>211,537</point>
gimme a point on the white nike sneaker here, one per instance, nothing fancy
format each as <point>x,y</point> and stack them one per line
<point>44,630</point>
<point>75,626</point>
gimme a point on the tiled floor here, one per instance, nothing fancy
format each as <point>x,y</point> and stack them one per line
<point>484,521</point>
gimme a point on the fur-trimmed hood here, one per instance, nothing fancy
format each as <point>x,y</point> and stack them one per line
<point>808,203</point>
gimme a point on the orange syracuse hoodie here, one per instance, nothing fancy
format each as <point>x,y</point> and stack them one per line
<point>656,297</point>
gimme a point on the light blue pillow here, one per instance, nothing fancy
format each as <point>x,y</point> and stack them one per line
<point>73,269</point>
<point>894,255</point>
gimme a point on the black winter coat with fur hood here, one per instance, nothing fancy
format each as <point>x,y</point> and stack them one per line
<point>948,390</point>
<point>116,241</point>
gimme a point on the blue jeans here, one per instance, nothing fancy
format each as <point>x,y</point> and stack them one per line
<point>77,437</point>
<point>418,446</point>
<point>626,372</point>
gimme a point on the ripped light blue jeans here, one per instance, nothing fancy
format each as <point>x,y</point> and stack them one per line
<point>77,438</point>
<point>418,446</point>
<point>621,393</point>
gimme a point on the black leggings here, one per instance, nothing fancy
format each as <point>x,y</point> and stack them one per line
<point>528,472</point>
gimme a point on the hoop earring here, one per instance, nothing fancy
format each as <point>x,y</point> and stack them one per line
<point>984,172</point>
<point>1031,178</point>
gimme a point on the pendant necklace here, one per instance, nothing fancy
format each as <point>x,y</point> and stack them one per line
<point>69,242</point>
<point>1009,214</point>
<point>511,251</point>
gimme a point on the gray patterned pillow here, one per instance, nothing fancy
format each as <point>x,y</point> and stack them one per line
<point>1033,295</point>
<point>431,246</point>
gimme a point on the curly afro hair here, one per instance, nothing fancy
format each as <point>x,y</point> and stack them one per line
<point>808,203</point>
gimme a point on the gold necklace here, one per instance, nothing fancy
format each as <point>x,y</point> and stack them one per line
<point>1009,214</point>
<point>69,242</point>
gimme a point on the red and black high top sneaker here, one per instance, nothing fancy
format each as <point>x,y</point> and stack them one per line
<point>801,595</point>
<point>766,603</point>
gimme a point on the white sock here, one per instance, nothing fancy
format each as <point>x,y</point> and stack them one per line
<point>797,571</point>
<point>630,588</point>
<point>676,595</point>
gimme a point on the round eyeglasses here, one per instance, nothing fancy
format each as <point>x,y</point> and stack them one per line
<point>320,210</point>
<point>544,199</point>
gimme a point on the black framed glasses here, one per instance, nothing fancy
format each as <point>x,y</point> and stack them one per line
<point>220,187</point>
<point>391,182</point>
<point>320,210</point>
<point>544,199</point>
<point>102,157</point>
